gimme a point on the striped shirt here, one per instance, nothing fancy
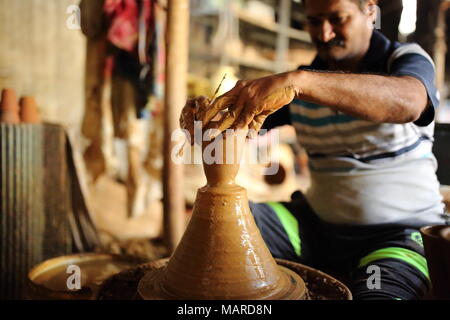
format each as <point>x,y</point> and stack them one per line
<point>364,172</point>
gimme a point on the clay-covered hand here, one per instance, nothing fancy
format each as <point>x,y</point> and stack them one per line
<point>250,102</point>
<point>193,110</point>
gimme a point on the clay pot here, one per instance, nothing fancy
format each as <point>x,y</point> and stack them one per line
<point>9,109</point>
<point>445,243</point>
<point>222,254</point>
<point>221,158</point>
<point>436,240</point>
<point>445,234</point>
<point>278,178</point>
<point>28,110</point>
<point>48,280</point>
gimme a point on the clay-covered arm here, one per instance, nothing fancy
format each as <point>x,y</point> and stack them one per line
<point>378,98</point>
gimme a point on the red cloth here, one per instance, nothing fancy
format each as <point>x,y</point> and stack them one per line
<point>124,19</point>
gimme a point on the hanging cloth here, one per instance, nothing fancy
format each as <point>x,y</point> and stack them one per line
<point>131,30</point>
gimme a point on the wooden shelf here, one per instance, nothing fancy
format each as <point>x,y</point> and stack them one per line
<point>273,34</point>
<point>292,33</point>
<point>245,16</point>
<point>260,63</point>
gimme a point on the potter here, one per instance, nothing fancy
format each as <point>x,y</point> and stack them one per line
<point>363,111</point>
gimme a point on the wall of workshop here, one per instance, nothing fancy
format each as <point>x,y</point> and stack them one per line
<point>41,56</point>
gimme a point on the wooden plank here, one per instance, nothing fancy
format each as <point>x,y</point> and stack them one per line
<point>176,94</point>
<point>282,38</point>
<point>57,236</point>
<point>273,26</point>
<point>80,217</point>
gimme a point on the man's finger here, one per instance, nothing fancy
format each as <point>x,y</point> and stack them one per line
<point>227,100</point>
<point>219,104</point>
<point>234,113</point>
<point>244,118</point>
<point>257,123</point>
<point>188,116</point>
<point>224,123</point>
<point>187,123</point>
<point>202,104</point>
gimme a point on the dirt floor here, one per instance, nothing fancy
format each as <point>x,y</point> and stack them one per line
<point>108,201</point>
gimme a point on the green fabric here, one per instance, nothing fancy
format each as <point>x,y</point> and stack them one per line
<point>289,223</point>
<point>409,256</point>
<point>417,237</point>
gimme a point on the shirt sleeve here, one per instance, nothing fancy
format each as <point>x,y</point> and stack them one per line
<point>412,60</point>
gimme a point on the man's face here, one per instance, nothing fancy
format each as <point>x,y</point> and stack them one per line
<point>339,28</point>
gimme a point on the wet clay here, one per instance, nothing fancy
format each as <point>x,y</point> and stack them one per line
<point>9,108</point>
<point>320,286</point>
<point>222,254</point>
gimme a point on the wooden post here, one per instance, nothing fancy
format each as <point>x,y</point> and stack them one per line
<point>391,12</point>
<point>427,19</point>
<point>175,98</point>
<point>440,49</point>
<point>284,11</point>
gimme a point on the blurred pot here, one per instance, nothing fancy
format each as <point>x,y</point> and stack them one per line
<point>50,280</point>
<point>9,109</point>
<point>436,240</point>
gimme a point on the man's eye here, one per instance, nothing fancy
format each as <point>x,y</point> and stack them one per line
<point>314,22</point>
<point>338,20</point>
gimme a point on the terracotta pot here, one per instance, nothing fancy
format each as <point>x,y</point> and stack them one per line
<point>28,110</point>
<point>9,109</point>
<point>436,240</point>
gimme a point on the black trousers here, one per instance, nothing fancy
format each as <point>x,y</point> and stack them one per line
<point>376,262</point>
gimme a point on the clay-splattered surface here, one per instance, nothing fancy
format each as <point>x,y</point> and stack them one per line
<point>320,286</point>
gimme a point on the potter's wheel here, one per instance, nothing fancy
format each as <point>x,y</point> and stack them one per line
<point>318,285</point>
<point>292,288</point>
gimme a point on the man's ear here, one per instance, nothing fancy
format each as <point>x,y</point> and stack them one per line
<point>373,11</point>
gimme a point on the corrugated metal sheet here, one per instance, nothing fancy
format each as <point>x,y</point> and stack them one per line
<point>39,198</point>
<point>22,211</point>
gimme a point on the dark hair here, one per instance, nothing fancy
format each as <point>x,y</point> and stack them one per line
<point>361,3</point>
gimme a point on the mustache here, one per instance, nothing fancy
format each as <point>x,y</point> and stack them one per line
<point>330,44</point>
